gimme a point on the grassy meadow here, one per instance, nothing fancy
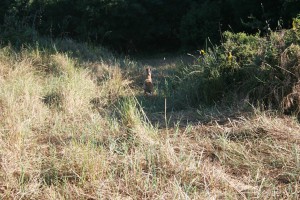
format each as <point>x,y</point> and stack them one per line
<point>74,124</point>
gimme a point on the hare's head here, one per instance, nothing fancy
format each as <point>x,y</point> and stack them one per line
<point>148,71</point>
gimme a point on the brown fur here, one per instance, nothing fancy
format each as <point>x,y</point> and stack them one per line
<point>148,84</point>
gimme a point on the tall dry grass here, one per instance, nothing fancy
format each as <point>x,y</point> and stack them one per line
<point>72,129</point>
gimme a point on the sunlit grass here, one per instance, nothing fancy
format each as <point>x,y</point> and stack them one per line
<point>73,129</point>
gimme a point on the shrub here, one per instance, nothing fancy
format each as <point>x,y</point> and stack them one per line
<point>260,69</point>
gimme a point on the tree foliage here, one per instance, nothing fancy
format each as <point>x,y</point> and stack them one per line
<point>134,25</point>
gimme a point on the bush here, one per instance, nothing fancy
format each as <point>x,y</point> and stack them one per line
<point>260,69</point>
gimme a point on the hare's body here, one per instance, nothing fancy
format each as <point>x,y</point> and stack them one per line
<point>148,85</point>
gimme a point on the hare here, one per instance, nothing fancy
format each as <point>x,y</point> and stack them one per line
<point>148,84</point>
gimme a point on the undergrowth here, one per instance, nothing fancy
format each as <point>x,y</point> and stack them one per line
<point>258,69</point>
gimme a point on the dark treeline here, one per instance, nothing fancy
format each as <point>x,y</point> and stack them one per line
<point>136,25</point>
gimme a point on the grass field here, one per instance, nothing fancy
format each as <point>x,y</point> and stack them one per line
<point>74,124</point>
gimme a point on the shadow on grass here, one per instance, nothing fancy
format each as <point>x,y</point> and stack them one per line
<point>176,113</point>
<point>159,104</point>
<point>164,112</point>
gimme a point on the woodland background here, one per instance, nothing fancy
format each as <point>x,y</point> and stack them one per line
<point>133,26</point>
